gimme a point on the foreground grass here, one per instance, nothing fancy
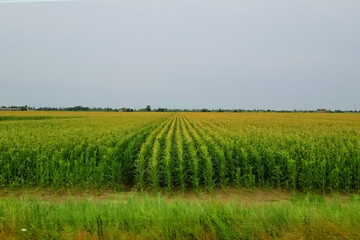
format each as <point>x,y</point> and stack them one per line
<point>156,218</point>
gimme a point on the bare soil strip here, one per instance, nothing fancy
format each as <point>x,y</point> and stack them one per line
<point>243,196</point>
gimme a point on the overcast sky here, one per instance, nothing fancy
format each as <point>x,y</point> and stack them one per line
<point>298,54</point>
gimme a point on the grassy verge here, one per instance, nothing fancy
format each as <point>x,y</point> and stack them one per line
<point>144,217</point>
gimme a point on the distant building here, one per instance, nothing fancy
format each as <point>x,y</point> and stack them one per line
<point>10,109</point>
<point>321,110</point>
<point>122,110</point>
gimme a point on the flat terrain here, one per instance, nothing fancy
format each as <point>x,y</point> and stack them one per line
<point>153,151</point>
<point>243,196</point>
<point>235,214</point>
<point>97,175</point>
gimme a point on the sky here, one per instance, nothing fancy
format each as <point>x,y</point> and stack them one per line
<point>258,54</point>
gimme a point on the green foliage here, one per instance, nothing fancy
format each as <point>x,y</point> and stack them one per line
<point>155,218</point>
<point>306,152</point>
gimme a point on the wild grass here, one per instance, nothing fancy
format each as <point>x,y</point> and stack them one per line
<point>156,218</point>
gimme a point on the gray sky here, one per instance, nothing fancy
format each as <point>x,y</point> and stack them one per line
<point>298,54</point>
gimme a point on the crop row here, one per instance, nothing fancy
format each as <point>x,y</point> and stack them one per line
<point>182,151</point>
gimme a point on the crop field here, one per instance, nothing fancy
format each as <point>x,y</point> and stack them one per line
<point>179,175</point>
<point>180,151</point>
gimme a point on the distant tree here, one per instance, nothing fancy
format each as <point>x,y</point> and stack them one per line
<point>148,108</point>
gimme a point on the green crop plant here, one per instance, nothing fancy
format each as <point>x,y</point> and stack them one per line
<point>168,156</point>
<point>207,166</point>
<point>179,139</point>
<point>156,156</point>
<point>306,152</point>
<point>192,157</point>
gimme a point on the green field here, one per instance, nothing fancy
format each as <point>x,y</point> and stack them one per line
<point>309,155</point>
<point>158,151</point>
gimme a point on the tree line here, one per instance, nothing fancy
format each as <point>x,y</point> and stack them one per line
<point>149,109</point>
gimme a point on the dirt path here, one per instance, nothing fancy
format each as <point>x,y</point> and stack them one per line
<point>243,196</point>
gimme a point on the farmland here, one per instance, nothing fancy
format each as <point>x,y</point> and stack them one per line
<point>160,159</point>
<point>166,151</point>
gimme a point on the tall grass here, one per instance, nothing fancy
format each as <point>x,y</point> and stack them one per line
<point>149,218</point>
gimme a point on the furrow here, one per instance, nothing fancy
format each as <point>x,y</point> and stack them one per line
<point>216,152</point>
<point>168,156</point>
<point>190,155</point>
<point>121,161</point>
<point>207,166</point>
<point>157,152</point>
<point>142,158</point>
<point>179,150</point>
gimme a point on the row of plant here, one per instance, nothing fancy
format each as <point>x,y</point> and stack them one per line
<point>213,156</point>
<point>306,160</point>
<point>87,152</point>
<point>182,151</point>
